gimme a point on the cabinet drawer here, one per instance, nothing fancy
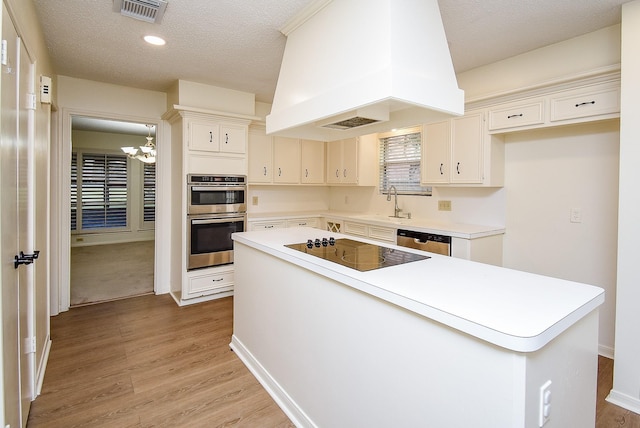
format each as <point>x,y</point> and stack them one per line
<point>355,228</point>
<point>515,116</point>
<point>383,234</point>
<point>579,103</point>
<point>210,283</point>
<point>265,225</point>
<point>302,222</point>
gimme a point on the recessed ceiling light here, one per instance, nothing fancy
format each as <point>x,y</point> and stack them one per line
<point>155,40</point>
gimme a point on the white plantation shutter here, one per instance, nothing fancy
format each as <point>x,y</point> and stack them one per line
<point>98,191</point>
<point>149,192</point>
<point>400,157</point>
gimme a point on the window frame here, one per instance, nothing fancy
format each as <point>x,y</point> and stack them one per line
<point>405,187</point>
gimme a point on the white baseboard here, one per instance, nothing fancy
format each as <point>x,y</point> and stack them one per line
<point>42,367</point>
<point>624,400</point>
<point>605,351</point>
<point>282,399</point>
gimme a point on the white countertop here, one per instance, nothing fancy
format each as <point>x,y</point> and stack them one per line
<point>516,310</point>
<point>456,230</point>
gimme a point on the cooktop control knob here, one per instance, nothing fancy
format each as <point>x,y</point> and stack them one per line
<point>332,241</point>
<point>325,242</point>
<point>317,242</point>
<point>309,243</point>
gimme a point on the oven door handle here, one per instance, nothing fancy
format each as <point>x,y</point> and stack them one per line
<point>217,219</point>
<point>215,188</point>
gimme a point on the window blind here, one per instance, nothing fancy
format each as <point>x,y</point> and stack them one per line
<point>400,157</point>
<point>149,192</point>
<point>74,190</point>
<point>98,191</point>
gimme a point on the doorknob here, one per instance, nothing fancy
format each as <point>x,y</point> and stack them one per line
<point>25,259</point>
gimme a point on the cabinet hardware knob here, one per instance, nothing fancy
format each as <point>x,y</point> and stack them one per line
<point>217,280</point>
<point>458,167</point>
<point>210,136</point>
<point>226,138</point>
<point>585,103</point>
<point>344,173</point>
<point>265,171</point>
<point>514,115</point>
<point>337,173</point>
<point>279,172</point>
<point>306,172</point>
<point>441,165</point>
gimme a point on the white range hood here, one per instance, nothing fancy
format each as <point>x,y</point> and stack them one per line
<point>354,67</point>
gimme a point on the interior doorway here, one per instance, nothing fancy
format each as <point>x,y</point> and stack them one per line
<point>112,210</point>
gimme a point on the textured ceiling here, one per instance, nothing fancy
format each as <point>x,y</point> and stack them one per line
<point>237,44</point>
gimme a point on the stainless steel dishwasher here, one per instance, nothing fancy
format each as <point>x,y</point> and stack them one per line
<point>439,244</point>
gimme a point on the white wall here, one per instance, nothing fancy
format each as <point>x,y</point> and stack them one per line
<point>468,205</point>
<point>547,173</point>
<point>287,199</point>
<point>626,375</point>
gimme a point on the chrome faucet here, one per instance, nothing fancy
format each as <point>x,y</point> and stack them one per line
<point>396,210</point>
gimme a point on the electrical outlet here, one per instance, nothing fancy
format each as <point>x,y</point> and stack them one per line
<point>444,205</point>
<point>545,403</point>
<point>254,200</point>
<point>576,215</point>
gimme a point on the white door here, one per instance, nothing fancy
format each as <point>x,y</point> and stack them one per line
<point>15,216</point>
<point>25,236</point>
<point>8,230</point>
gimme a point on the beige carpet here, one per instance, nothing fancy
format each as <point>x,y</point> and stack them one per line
<point>106,272</point>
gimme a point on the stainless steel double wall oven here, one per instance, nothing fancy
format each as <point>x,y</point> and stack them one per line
<point>216,208</point>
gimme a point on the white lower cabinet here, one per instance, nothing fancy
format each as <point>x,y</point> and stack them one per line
<point>209,281</point>
<point>379,233</point>
<point>266,225</point>
<point>304,222</point>
<point>281,223</point>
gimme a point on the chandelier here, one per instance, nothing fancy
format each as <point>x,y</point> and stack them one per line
<point>147,152</point>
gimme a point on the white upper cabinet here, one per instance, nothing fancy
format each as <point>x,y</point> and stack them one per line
<point>286,160</point>
<point>436,152</point>
<point>459,152</point>
<point>233,138</point>
<point>260,157</point>
<point>312,154</point>
<point>280,160</point>
<point>216,136</point>
<point>353,161</point>
<point>204,135</point>
<point>467,149</point>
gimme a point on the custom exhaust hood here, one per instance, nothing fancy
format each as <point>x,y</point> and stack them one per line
<point>354,67</point>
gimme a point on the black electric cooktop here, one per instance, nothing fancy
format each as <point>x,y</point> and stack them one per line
<point>355,254</point>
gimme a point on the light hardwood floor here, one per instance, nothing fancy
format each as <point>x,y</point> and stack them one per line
<point>145,362</point>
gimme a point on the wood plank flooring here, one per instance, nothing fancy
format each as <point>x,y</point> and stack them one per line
<point>145,362</point>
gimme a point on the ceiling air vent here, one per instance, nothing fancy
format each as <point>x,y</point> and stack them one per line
<point>144,10</point>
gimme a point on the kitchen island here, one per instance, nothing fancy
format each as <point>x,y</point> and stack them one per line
<point>430,343</point>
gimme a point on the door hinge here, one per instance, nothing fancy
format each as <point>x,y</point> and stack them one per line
<point>3,53</point>
<point>31,101</point>
<point>30,345</point>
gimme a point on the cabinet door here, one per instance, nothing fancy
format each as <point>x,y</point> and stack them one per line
<point>312,161</point>
<point>436,139</point>
<point>350,161</point>
<point>233,139</point>
<point>466,149</point>
<point>286,160</point>
<point>260,157</point>
<point>204,136</point>
<point>334,161</point>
